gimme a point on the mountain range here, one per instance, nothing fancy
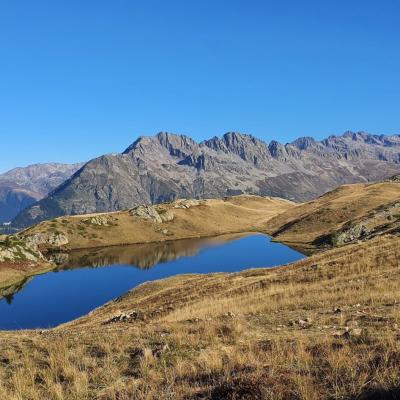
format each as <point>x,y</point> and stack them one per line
<point>167,166</point>
<point>22,187</point>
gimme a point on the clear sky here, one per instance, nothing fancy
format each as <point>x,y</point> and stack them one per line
<point>80,78</point>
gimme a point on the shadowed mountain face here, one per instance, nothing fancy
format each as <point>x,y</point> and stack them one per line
<point>167,166</point>
<point>22,187</point>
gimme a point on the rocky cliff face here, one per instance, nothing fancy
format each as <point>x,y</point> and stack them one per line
<point>167,166</point>
<point>22,187</point>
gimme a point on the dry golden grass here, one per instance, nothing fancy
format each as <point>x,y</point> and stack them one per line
<point>228,336</point>
<point>323,328</point>
<point>302,224</point>
<point>212,218</point>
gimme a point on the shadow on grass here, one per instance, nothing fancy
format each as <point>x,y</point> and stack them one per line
<point>379,394</point>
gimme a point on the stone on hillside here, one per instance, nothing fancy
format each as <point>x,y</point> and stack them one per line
<point>354,332</point>
<point>166,215</point>
<point>303,323</point>
<point>187,203</point>
<point>349,234</point>
<point>395,178</point>
<point>99,220</point>
<point>128,316</point>
<point>152,213</point>
<point>18,251</point>
<point>159,349</point>
<point>46,238</point>
<point>146,212</point>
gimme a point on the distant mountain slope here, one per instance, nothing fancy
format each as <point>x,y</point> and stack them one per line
<point>168,166</point>
<point>21,187</point>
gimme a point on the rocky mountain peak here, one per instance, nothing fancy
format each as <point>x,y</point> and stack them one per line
<point>363,137</point>
<point>177,145</point>
<point>235,139</point>
<point>358,136</point>
<point>247,147</point>
<point>168,166</point>
<point>134,145</point>
<point>276,149</point>
<point>304,143</point>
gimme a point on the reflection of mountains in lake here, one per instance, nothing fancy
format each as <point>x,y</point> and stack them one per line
<point>143,256</point>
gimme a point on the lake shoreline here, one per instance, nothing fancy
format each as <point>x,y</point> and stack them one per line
<point>192,219</point>
<point>89,279</point>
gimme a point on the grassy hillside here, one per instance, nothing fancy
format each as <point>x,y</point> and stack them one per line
<point>187,219</point>
<point>311,225</point>
<point>322,328</point>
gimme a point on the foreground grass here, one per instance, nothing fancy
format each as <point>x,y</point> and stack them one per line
<point>322,328</point>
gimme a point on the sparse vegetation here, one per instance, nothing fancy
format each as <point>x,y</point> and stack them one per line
<point>317,224</point>
<point>326,327</point>
<point>323,328</point>
<point>206,218</point>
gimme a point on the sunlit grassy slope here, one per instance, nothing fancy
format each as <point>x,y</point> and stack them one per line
<point>326,327</point>
<point>305,223</point>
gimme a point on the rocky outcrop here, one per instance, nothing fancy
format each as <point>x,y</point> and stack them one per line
<point>349,234</point>
<point>159,215</point>
<point>166,215</point>
<point>187,203</point>
<point>394,178</point>
<point>46,240</point>
<point>383,220</point>
<point>99,220</point>
<point>14,250</point>
<point>167,167</point>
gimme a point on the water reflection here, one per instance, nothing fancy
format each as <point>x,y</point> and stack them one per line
<point>143,256</point>
<point>8,292</point>
<point>86,279</point>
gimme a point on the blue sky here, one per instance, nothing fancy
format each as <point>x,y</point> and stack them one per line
<point>83,78</point>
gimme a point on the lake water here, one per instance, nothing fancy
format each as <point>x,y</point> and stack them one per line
<point>85,280</point>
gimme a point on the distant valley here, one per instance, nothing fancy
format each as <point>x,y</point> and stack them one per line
<point>22,187</point>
